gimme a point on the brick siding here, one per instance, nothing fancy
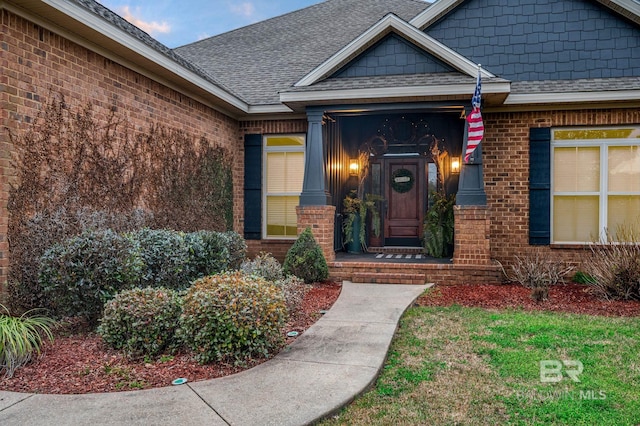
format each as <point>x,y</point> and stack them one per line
<point>37,63</point>
<point>506,174</point>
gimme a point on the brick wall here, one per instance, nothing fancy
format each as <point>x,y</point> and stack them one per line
<point>472,235</point>
<point>506,171</point>
<point>37,64</point>
<point>321,220</point>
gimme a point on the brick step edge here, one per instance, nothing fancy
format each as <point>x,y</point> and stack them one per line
<point>387,278</point>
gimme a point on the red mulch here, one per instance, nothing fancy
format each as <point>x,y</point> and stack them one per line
<point>81,363</point>
<point>573,298</point>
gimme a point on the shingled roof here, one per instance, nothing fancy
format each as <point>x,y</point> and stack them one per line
<point>259,61</point>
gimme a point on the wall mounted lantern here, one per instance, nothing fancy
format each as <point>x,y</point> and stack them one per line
<point>354,167</point>
<point>455,165</point>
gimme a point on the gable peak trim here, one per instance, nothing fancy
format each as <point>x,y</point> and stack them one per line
<point>391,23</point>
<point>630,9</point>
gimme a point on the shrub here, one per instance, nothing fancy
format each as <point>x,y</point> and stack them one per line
<point>141,322</point>
<point>538,271</point>
<point>305,259</point>
<point>208,253</point>
<point>166,257</point>
<point>232,317</point>
<point>81,273</point>
<point>264,265</point>
<point>20,337</point>
<point>293,289</point>
<point>615,268</point>
<point>237,248</point>
<point>581,277</point>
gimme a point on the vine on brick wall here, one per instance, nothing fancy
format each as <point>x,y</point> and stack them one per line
<point>75,170</point>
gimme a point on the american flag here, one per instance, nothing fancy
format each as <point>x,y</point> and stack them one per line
<point>476,127</point>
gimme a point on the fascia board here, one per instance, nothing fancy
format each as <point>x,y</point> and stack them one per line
<point>121,37</point>
<point>434,12</point>
<point>628,8</point>
<point>382,27</point>
<point>392,92</point>
<point>572,97</point>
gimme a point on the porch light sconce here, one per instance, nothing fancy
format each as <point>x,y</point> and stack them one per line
<point>354,167</point>
<point>455,165</point>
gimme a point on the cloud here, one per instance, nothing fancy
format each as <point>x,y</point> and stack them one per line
<point>246,9</point>
<point>148,27</point>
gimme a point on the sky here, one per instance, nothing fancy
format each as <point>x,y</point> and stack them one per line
<point>176,23</point>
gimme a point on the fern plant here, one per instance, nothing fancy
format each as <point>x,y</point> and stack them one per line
<point>439,225</point>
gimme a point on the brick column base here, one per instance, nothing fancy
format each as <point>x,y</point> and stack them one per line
<point>472,234</point>
<point>321,220</point>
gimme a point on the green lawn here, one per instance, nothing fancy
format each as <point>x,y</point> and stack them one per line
<point>472,366</point>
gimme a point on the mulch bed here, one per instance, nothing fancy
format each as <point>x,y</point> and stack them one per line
<point>572,298</point>
<point>81,363</point>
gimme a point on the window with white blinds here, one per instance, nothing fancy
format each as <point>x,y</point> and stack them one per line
<point>595,184</point>
<point>284,173</point>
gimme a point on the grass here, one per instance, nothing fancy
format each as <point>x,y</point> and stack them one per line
<point>471,366</point>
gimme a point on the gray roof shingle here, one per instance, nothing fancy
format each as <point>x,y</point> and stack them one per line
<point>579,85</point>
<point>259,61</point>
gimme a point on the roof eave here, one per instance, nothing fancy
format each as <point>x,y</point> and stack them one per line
<point>492,94</point>
<point>627,8</point>
<point>558,98</point>
<point>78,24</point>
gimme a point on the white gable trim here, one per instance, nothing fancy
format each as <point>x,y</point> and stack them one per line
<point>572,97</point>
<point>391,23</point>
<point>628,8</point>
<point>219,98</point>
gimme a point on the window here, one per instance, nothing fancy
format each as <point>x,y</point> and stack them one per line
<point>284,173</point>
<point>595,183</point>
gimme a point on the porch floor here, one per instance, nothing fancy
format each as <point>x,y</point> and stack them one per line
<point>390,258</point>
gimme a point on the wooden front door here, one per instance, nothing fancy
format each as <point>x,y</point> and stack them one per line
<point>404,192</point>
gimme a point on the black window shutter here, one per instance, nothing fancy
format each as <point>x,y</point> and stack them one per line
<point>540,186</point>
<point>252,187</point>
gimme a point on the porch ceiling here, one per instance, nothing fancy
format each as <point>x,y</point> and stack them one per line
<point>395,88</point>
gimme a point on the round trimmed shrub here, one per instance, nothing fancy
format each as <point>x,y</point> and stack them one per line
<point>166,255</point>
<point>80,274</point>
<point>142,322</point>
<point>305,259</point>
<point>232,317</point>
<point>264,265</point>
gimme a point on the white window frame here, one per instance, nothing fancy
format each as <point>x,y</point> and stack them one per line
<point>603,193</point>
<point>265,193</point>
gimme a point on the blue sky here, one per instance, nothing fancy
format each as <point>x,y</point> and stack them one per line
<point>176,23</point>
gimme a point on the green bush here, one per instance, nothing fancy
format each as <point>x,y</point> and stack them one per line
<point>263,265</point>
<point>581,277</point>
<point>237,248</point>
<point>232,317</point>
<point>80,274</point>
<point>166,257</point>
<point>141,322</point>
<point>20,337</point>
<point>305,259</point>
<point>293,289</point>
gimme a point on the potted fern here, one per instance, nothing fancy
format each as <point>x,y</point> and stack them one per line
<point>355,211</point>
<point>439,226</point>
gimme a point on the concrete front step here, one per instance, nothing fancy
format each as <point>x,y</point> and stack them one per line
<point>388,278</point>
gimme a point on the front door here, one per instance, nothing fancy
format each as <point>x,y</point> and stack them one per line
<point>404,192</point>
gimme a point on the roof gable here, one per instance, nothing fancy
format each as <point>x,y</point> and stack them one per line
<point>390,24</point>
<point>393,55</point>
<point>541,39</point>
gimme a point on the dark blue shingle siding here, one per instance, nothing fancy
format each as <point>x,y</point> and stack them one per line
<point>392,56</point>
<point>542,39</point>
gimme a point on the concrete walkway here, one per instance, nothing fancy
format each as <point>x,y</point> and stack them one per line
<point>335,360</point>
